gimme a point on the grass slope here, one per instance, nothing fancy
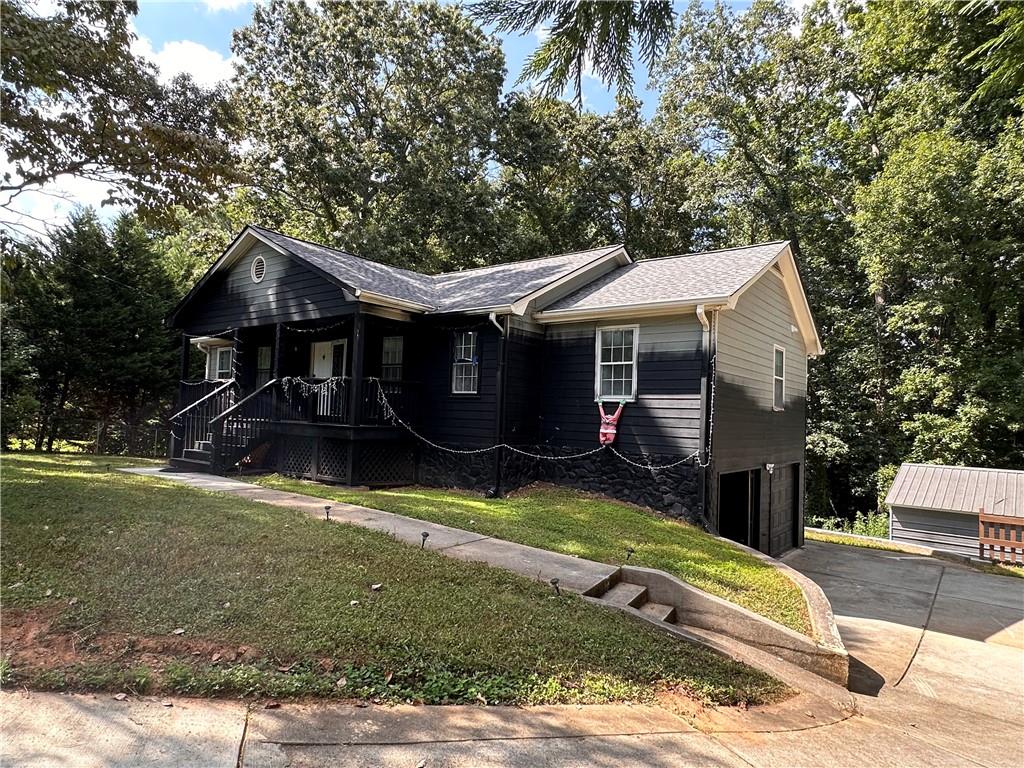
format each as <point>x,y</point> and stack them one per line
<point>275,603</point>
<point>567,521</point>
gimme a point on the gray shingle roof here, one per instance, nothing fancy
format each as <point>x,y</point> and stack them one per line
<point>356,271</point>
<point>493,286</point>
<point>958,489</point>
<point>503,284</point>
<point>679,279</point>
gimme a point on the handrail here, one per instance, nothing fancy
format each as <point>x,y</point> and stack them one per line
<point>240,403</point>
<point>204,398</point>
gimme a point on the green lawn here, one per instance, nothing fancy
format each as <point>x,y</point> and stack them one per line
<point>567,521</point>
<point>109,565</point>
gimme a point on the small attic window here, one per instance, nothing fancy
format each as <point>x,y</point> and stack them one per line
<point>258,270</point>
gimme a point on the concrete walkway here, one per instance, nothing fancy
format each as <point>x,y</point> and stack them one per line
<point>573,573</point>
<point>939,676</point>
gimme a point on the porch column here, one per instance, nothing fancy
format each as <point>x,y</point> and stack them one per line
<point>358,343</point>
<point>355,403</point>
<point>275,373</point>
<point>186,359</point>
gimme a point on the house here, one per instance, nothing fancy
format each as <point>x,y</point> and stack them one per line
<point>939,506</point>
<point>312,352</point>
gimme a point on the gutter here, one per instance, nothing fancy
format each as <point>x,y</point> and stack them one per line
<point>370,297</point>
<point>707,386</point>
<point>501,377</point>
<point>653,307</point>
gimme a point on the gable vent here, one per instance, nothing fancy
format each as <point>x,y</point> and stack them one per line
<point>258,270</point>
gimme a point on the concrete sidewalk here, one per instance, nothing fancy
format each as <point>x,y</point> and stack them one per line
<point>573,573</point>
<point>49,730</point>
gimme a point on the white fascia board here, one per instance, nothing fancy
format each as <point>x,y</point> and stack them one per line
<point>389,301</point>
<point>648,309</point>
<point>620,255</point>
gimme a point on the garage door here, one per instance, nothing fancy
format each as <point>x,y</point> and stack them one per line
<point>785,504</point>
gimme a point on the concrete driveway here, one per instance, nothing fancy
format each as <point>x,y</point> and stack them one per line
<point>935,647</point>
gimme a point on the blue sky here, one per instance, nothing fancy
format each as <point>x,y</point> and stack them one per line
<point>210,23</point>
<point>195,37</point>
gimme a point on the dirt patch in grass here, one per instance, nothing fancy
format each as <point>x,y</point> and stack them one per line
<point>35,640</point>
<point>99,568</point>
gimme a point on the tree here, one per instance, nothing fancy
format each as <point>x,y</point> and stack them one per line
<point>571,180</point>
<point>1001,57</point>
<point>85,311</point>
<point>941,235</point>
<point>76,101</point>
<point>371,126</point>
<point>590,35</point>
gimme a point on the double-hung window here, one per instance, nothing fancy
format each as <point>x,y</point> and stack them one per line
<point>616,363</point>
<point>223,358</point>
<point>779,379</point>
<point>391,358</point>
<point>465,363</point>
<point>264,363</point>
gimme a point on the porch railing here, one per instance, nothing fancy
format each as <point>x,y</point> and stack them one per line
<point>192,391</point>
<point>239,429</point>
<point>400,394</point>
<point>322,401</point>
<point>191,424</point>
<point>234,424</point>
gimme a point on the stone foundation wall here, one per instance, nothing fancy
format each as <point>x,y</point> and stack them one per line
<point>675,492</point>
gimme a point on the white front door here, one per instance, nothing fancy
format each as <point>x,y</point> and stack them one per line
<point>329,358</point>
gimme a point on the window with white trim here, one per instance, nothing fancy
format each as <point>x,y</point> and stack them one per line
<point>465,364</point>
<point>615,377</point>
<point>391,358</point>
<point>779,379</point>
<point>223,368</point>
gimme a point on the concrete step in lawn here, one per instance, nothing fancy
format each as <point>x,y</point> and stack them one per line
<point>653,596</point>
<point>633,595</point>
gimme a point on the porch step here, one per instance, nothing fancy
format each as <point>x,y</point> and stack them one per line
<point>204,445</point>
<point>659,612</point>
<point>622,593</point>
<point>193,454</point>
<point>190,465</point>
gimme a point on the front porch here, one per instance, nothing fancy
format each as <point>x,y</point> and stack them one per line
<point>303,399</point>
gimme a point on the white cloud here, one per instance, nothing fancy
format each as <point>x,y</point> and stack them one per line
<point>215,6</point>
<point>542,32</point>
<point>31,213</point>
<point>206,66</point>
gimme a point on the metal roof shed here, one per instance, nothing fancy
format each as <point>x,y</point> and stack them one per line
<point>934,505</point>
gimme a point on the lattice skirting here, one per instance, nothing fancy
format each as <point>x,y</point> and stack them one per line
<point>328,459</point>
<point>385,464</point>
<point>314,458</point>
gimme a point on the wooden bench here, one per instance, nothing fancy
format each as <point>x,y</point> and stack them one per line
<point>1002,535</point>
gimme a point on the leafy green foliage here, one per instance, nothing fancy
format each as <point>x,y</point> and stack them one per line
<point>563,520</point>
<point>77,101</point>
<point>87,307</point>
<point>377,136</point>
<point>142,556</point>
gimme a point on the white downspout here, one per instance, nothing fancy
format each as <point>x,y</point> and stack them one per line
<point>493,317</point>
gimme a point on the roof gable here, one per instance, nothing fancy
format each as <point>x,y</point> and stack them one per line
<point>668,284</point>
<point>496,287</point>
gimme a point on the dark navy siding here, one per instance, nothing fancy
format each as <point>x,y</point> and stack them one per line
<point>523,383</point>
<point>665,419</point>
<point>289,292</point>
<point>463,420</point>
